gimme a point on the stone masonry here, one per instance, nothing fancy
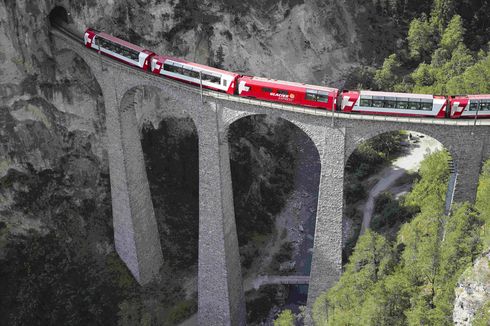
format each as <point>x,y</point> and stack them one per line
<point>220,291</point>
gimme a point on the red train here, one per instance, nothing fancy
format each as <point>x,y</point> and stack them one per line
<point>365,102</point>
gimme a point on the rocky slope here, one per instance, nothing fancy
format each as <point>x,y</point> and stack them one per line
<point>472,292</point>
<point>304,40</point>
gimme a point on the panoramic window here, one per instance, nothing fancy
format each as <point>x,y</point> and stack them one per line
<point>310,95</point>
<point>322,97</point>
<point>210,78</point>
<point>366,102</point>
<point>117,48</point>
<point>426,106</point>
<point>389,103</point>
<point>413,105</point>
<point>377,102</point>
<point>403,105</point>
<point>267,89</point>
<point>485,105</point>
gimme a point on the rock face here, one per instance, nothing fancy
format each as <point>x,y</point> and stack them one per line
<point>304,40</point>
<point>472,292</point>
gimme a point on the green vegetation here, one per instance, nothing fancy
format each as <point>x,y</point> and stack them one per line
<point>368,158</point>
<point>259,302</point>
<point>482,317</point>
<point>445,53</point>
<point>483,203</point>
<point>390,214</point>
<point>285,318</point>
<point>412,279</point>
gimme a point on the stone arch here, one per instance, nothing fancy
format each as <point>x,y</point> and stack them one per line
<point>163,103</point>
<point>147,118</point>
<point>312,157</point>
<point>381,128</point>
<point>361,135</point>
<point>231,116</point>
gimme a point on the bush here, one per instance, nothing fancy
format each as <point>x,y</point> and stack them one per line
<point>285,318</point>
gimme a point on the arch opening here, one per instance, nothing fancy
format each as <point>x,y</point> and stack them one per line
<point>170,148</point>
<point>275,170</point>
<point>380,174</point>
<point>59,16</point>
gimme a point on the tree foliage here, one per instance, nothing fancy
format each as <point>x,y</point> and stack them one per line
<point>439,60</point>
<point>285,318</point>
<point>412,280</point>
<point>420,39</point>
<point>388,75</point>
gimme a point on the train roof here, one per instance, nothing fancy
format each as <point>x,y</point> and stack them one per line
<point>122,42</point>
<point>261,81</point>
<point>163,58</point>
<point>395,94</point>
<point>474,97</point>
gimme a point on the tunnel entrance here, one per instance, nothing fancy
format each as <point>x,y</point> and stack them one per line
<point>59,16</point>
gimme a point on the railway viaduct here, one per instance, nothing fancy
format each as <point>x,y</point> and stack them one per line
<point>220,290</point>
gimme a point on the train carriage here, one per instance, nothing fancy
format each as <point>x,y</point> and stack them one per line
<point>288,92</point>
<point>365,102</point>
<point>389,103</point>
<point>470,106</point>
<point>193,73</point>
<point>118,49</point>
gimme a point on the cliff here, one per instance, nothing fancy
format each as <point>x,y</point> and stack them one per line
<point>473,293</point>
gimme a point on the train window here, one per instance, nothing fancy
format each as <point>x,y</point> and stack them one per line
<point>426,106</point>
<point>210,78</point>
<point>119,49</point>
<point>365,102</point>
<point>168,67</point>
<point>474,106</point>
<point>403,105</point>
<point>389,104</point>
<point>190,73</point>
<point>266,89</point>
<point>485,105</point>
<point>310,95</point>
<point>283,92</point>
<point>412,105</point>
<point>225,82</point>
<point>377,103</point>
<point>186,72</point>
<point>322,97</point>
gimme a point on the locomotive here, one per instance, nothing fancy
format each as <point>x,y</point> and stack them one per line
<point>294,93</point>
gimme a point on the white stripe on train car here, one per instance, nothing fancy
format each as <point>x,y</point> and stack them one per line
<point>242,87</point>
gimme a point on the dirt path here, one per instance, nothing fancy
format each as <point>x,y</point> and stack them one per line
<point>389,175</point>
